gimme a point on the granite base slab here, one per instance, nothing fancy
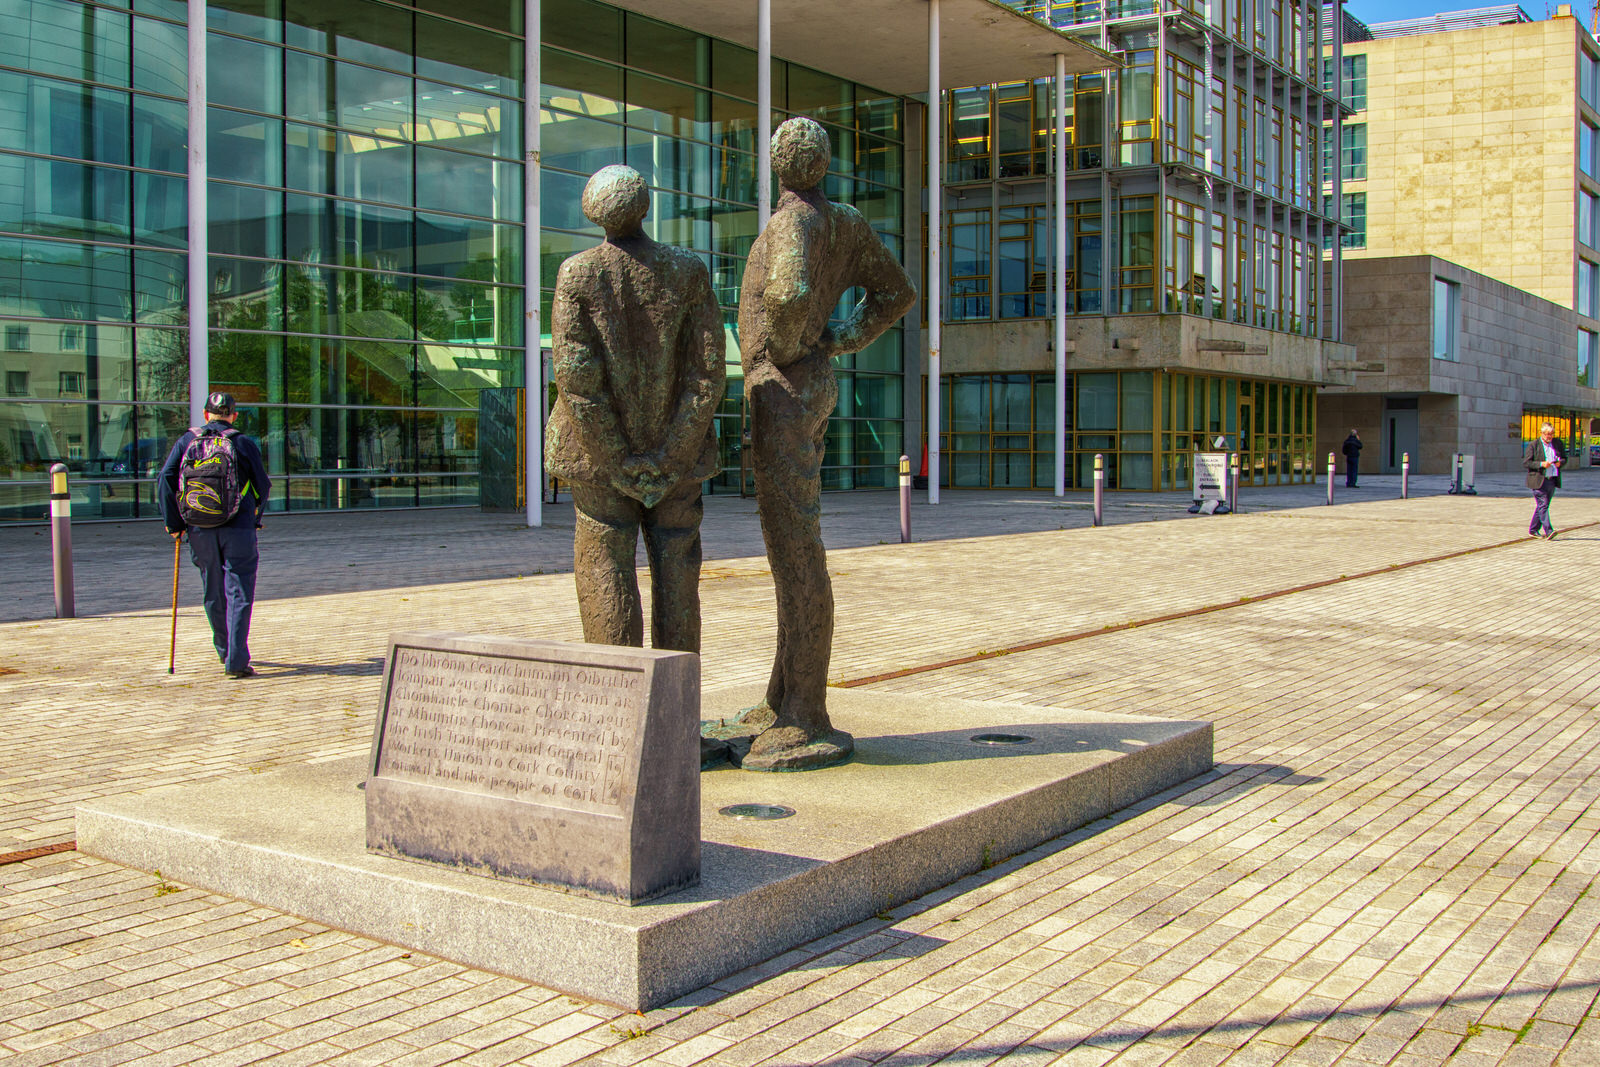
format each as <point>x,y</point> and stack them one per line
<point>919,805</point>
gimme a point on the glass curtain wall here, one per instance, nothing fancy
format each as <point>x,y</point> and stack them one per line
<point>92,239</point>
<point>366,231</point>
<point>998,430</point>
<point>678,107</point>
<point>1273,275</point>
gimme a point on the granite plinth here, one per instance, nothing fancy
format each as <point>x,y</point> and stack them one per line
<point>918,806</point>
<point>568,765</point>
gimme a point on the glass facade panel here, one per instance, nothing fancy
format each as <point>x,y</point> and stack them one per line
<point>999,429</point>
<point>365,226</point>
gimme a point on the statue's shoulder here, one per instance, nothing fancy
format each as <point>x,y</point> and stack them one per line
<point>585,264</point>
<point>847,215</point>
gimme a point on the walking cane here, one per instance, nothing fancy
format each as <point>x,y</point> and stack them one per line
<point>172,652</point>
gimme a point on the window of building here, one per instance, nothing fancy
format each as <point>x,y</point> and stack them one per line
<point>1588,280</point>
<point>72,338</point>
<point>70,383</point>
<point>1024,262</point>
<point>1355,217</point>
<point>16,383</point>
<point>1588,353</point>
<point>1137,86</point>
<point>1353,151</point>
<point>1586,146</point>
<point>1353,86</point>
<point>16,338</point>
<point>1446,312</point>
<point>1587,217</point>
<point>968,136</point>
<point>1588,78</point>
<point>970,268</point>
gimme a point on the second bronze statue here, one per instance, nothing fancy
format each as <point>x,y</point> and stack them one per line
<point>810,254</point>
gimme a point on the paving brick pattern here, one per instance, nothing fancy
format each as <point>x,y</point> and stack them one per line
<point>1391,864</point>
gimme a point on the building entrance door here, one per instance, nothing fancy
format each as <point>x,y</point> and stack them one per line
<point>1399,437</point>
<point>1248,475</point>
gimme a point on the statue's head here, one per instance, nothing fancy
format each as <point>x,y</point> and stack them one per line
<point>616,199</point>
<point>800,153</point>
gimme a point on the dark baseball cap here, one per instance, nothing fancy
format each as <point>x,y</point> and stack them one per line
<point>220,404</point>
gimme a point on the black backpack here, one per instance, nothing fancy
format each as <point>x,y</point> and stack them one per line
<point>209,490</point>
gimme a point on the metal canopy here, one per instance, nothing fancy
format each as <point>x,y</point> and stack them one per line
<point>882,43</point>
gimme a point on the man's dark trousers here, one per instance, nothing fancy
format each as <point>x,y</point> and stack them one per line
<point>1352,465</point>
<point>1541,507</point>
<point>227,557</point>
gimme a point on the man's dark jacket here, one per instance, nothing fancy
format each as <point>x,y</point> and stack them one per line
<point>1534,461</point>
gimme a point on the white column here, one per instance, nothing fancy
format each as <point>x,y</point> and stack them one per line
<point>763,113</point>
<point>199,220</point>
<point>934,290</point>
<point>1061,275</point>
<point>532,359</point>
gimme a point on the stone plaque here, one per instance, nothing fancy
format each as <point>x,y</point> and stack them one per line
<point>567,765</point>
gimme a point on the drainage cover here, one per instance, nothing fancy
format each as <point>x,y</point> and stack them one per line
<point>756,811</point>
<point>1001,739</point>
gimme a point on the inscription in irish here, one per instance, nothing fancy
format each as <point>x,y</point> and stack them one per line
<point>549,733</point>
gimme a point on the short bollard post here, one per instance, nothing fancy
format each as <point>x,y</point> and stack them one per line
<point>61,540</point>
<point>1330,477</point>
<point>1099,489</point>
<point>905,499</point>
<point>1405,476</point>
<point>1233,483</point>
<point>1455,477</point>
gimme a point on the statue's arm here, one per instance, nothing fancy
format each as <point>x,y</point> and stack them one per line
<point>580,374</point>
<point>787,295</point>
<point>890,292</point>
<point>702,376</point>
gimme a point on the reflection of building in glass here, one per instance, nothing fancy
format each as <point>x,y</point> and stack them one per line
<point>1468,180</point>
<point>1194,228</point>
<point>366,239</point>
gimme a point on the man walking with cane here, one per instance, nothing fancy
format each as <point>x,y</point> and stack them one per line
<point>215,486</point>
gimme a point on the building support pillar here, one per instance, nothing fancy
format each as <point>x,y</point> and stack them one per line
<point>763,113</point>
<point>1061,275</point>
<point>934,289</point>
<point>199,282</point>
<point>532,331</point>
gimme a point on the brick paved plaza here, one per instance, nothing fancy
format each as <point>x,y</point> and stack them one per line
<point>1391,863</point>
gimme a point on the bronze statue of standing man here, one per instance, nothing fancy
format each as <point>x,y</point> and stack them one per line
<point>637,340</point>
<point>811,252</point>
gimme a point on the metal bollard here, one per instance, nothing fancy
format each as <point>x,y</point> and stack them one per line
<point>1233,483</point>
<point>1405,476</point>
<point>905,499</point>
<point>1455,477</point>
<point>61,540</point>
<point>1099,489</point>
<point>1330,477</point>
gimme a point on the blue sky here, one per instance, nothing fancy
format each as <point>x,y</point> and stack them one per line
<point>1393,10</point>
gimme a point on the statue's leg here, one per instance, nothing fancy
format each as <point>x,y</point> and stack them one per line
<point>603,551</point>
<point>788,450</point>
<point>672,540</point>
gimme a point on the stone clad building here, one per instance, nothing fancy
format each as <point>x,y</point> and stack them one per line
<point>1468,170</point>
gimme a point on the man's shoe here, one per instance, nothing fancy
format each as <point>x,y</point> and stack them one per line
<point>243,672</point>
<point>1550,535</point>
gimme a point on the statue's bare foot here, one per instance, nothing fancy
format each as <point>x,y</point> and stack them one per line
<point>793,748</point>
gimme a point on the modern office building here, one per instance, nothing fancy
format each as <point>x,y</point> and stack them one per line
<point>1472,142</point>
<point>367,230</point>
<point>1194,231</point>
